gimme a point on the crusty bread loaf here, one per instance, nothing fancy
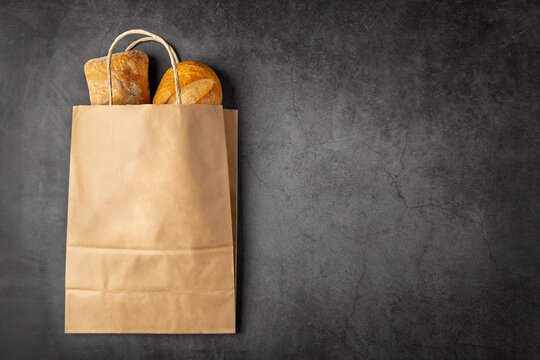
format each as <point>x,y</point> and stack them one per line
<point>129,72</point>
<point>199,85</point>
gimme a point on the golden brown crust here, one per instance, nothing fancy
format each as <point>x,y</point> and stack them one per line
<point>188,73</point>
<point>129,79</point>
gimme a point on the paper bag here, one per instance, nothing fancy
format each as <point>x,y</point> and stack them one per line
<point>151,233</point>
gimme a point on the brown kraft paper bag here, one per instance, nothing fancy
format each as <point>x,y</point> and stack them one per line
<point>151,231</point>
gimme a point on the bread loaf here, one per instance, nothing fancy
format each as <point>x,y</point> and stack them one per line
<point>129,73</point>
<point>199,85</point>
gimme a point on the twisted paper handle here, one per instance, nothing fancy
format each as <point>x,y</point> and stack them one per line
<point>138,41</point>
<point>172,56</point>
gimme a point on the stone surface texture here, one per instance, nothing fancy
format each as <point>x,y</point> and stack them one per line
<point>389,173</point>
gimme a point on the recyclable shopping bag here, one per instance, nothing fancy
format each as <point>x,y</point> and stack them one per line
<point>151,230</point>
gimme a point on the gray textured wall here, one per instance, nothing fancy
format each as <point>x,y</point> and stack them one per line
<point>389,174</point>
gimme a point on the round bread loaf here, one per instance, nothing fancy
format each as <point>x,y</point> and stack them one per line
<point>199,85</point>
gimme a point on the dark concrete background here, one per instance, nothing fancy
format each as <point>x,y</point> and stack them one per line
<point>389,174</point>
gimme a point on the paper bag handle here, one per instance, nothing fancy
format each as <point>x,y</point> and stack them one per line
<point>155,38</point>
<point>138,41</point>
